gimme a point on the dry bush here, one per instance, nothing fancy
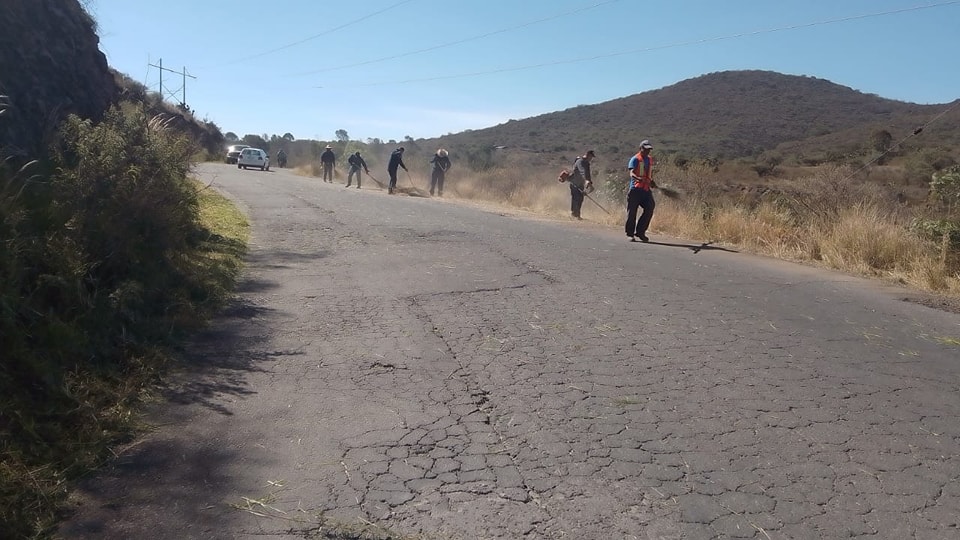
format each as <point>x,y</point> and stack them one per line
<point>826,217</point>
<point>310,169</point>
<point>863,240</point>
<point>527,190</point>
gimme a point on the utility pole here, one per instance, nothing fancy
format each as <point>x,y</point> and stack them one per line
<point>183,73</point>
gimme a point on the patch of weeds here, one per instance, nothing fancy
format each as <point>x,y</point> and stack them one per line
<point>949,341</point>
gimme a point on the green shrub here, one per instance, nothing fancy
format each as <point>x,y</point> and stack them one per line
<point>128,214</point>
<point>103,259</point>
<point>921,165</point>
<point>945,186</point>
<point>938,230</point>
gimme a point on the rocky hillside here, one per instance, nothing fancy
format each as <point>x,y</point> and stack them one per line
<point>50,66</point>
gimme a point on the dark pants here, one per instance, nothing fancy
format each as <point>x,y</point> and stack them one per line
<point>576,200</point>
<point>327,172</point>
<point>639,198</point>
<point>436,181</point>
<point>393,179</point>
<point>353,170</point>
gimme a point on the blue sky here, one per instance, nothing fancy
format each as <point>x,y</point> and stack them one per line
<point>424,68</point>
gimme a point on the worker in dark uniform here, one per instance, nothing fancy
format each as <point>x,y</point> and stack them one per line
<point>396,160</point>
<point>327,161</point>
<point>441,164</point>
<point>356,163</point>
<point>581,182</point>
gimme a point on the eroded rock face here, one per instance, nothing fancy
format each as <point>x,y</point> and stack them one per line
<point>50,66</point>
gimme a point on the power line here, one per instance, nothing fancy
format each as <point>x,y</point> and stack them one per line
<point>656,48</point>
<point>897,145</point>
<point>457,42</point>
<point>315,36</point>
<point>183,74</point>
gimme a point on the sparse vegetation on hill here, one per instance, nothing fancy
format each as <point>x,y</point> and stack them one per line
<point>726,116</point>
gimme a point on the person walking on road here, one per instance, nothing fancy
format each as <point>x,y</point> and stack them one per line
<point>327,161</point>
<point>441,164</point>
<point>581,182</point>
<point>356,163</point>
<point>396,160</point>
<point>640,194</point>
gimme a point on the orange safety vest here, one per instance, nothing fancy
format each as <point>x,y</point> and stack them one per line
<point>640,175</point>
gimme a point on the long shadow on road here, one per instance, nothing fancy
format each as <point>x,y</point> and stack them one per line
<point>176,477</point>
<point>695,248</point>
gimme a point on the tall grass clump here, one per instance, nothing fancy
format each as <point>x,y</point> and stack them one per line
<point>104,260</point>
<point>828,218</point>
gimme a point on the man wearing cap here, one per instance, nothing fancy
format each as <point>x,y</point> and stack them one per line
<point>580,181</point>
<point>327,161</point>
<point>639,194</point>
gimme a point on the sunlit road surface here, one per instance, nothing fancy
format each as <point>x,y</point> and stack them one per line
<point>433,369</point>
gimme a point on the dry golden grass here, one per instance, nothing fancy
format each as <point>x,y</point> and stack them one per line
<point>825,219</point>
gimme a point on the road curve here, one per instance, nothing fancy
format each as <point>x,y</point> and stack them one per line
<point>442,370</point>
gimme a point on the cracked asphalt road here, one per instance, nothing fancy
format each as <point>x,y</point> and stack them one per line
<point>447,371</point>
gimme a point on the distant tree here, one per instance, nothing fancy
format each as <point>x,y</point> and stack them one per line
<point>479,159</point>
<point>921,165</point>
<point>288,137</point>
<point>410,144</point>
<point>230,137</point>
<point>342,135</point>
<point>255,141</point>
<point>713,162</point>
<point>880,140</point>
<point>375,145</point>
<point>767,166</point>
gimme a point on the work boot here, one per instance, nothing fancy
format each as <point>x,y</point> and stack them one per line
<point>389,191</point>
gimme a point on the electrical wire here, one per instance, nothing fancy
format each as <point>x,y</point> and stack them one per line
<point>899,143</point>
<point>315,36</point>
<point>457,42</point>
<point>653,48</point>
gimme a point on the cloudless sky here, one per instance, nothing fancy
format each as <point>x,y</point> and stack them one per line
<point>389,69</point>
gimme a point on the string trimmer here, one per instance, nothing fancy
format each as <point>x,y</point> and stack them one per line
<point>564,174</point>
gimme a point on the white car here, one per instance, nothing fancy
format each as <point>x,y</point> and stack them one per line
<point>253,157</point>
